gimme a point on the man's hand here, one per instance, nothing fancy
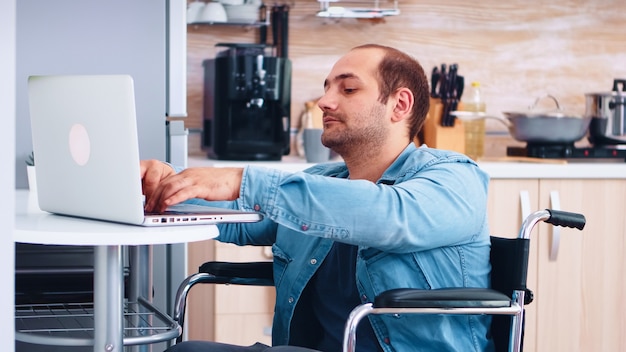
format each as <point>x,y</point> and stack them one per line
<point>152,173</point>
<point>206,183</point>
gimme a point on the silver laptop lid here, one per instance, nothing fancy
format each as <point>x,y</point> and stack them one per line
<point>86,149</point>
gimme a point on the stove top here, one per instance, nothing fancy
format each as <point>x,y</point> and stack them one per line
<point>568,151</point>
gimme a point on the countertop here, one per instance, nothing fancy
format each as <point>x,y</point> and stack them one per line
<point>497,168</point>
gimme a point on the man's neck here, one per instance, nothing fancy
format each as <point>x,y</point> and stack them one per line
<point>370,164</point>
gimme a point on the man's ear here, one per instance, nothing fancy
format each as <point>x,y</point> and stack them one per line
<point>404,104</point>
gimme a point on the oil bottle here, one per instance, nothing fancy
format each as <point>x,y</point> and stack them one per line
<point>475,125</point>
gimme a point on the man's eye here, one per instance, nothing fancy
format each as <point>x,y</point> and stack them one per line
<point>349,90</point>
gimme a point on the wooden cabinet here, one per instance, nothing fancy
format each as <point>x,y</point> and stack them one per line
<point>240,315</point>
<point>579,303</point>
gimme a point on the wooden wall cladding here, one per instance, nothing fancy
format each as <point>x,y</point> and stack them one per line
<point>518,50</point>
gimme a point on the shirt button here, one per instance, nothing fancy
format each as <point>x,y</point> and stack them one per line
<point>364,298</point>
<point>257,207</point>
<point>290,299</point>
<point>313,261</point>
<point>304,227</point>
<point>387,340</point>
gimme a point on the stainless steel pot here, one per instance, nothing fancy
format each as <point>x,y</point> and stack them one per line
<point>546,126</point>
<point>608,113</point>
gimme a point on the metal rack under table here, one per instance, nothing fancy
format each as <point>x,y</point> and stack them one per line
<point>72,324</point>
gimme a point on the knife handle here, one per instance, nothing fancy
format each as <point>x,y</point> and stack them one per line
<point>434,81</point>
<point>460,85</point>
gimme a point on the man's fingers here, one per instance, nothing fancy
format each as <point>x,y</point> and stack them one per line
<point>153,173</point>
<point>151,180</point>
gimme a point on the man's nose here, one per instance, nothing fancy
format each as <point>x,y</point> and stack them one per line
<point>326,102</point>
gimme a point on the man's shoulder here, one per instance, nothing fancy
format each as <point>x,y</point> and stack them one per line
<point>332,169</point>
<point>423,157</point>
<point>442,155</point>
<point>416,160</point>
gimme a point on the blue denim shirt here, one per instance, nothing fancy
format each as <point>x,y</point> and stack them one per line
<point>422,225</point>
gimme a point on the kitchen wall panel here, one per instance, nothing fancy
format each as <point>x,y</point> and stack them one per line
<point>518,50</point>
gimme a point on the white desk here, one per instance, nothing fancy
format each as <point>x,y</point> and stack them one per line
<point>37,227</point>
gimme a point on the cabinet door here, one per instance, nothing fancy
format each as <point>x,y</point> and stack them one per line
<point>235,314</point>
<point>200,320</point>
<point>506,197</point>
<point>243,314</point>
<point>580,300</point>
<point>505,203</point>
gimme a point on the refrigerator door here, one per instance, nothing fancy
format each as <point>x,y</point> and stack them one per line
<point>143,38</point>
<point>95,37</point>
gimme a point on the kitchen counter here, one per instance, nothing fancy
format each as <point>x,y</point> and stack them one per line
<point>501,168</point>
<point>566,170</point>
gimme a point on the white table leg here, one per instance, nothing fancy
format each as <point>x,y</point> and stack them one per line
<point>141,286</point>
<point>108,299</point>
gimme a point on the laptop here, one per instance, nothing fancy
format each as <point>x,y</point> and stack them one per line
<point>85,141</point>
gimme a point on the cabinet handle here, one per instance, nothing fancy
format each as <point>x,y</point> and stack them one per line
<point>267,252</point>
<point>524,198</point>
<point>177,60</point>
<point>555,204</point>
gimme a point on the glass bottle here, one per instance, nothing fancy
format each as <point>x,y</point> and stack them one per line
<point>474,125</point>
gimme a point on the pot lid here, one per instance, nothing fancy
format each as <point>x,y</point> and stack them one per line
<point>534,112</point>
<point>615,91</point>
<point>606,94</point>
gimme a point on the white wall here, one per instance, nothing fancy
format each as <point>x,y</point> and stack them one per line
<point>7,164</point>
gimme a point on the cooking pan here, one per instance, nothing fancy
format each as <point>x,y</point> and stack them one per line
<point>546,126</point>
<point>538,126</point>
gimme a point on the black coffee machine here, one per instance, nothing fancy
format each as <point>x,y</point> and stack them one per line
<point>247,103</point>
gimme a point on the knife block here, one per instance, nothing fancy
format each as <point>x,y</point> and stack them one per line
<point>442,137</point>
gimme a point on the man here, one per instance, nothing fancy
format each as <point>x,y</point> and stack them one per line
<point>390,215</point>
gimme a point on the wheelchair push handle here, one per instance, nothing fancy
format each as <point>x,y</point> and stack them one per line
<point>554,217</point>
<point>566,219</point>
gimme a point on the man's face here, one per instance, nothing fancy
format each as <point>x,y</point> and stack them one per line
<point>353,116</point>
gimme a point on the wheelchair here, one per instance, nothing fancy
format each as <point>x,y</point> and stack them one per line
<point>505,299</point>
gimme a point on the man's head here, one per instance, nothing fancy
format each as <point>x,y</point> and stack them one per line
<point>396,70</point>
<point>374,94</point>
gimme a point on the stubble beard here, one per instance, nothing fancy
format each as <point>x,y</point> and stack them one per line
<point>360,140</point>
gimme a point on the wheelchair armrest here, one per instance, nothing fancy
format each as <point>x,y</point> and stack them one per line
<point>246,273</point>
<point>442,298</point>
